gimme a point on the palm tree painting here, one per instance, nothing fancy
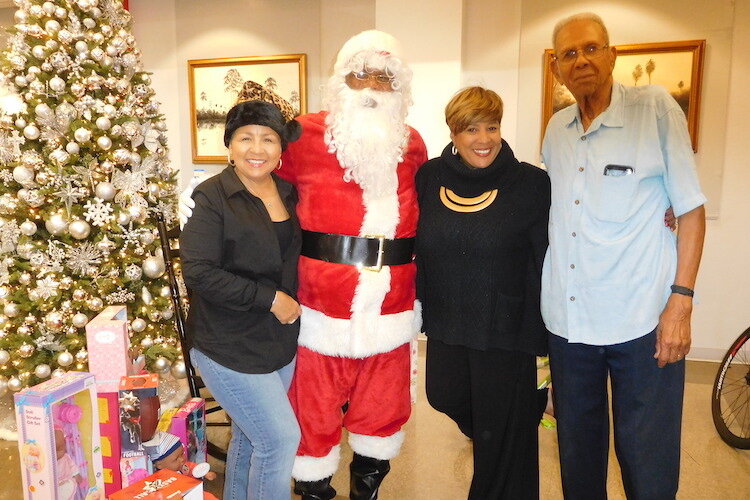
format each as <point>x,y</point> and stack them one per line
<point>216,83</point>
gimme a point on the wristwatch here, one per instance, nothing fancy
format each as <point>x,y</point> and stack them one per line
<point>682,290</point>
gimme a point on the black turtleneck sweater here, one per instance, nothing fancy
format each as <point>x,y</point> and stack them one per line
<point>479,272</point>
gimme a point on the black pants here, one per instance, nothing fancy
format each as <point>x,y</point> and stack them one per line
<point>492,397</point>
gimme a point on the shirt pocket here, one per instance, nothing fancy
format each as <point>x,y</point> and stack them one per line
<point>615,197</point>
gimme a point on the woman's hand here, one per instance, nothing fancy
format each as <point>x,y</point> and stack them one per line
<point>285,308</point>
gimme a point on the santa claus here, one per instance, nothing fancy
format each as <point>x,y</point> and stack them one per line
<point>354,170</point>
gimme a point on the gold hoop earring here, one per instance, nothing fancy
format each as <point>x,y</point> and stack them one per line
<point>278,167</point>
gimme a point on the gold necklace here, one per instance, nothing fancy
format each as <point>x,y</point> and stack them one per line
<point>466,205</point>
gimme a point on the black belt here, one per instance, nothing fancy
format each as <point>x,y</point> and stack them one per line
<point>371,252</point>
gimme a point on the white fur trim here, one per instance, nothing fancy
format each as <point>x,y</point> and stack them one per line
<point>315,468</point>
<point>367,40</point>
<point>358,339</point>
<point>382,448</point>
<point>381,213</point>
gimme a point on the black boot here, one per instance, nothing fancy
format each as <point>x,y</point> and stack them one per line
<point>366,475</point>
<point>315,490</point>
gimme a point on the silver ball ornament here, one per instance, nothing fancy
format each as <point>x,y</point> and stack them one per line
<point>82,356</point>
<point>79,229</point>
<point>138,324</point>
<point>4,356</point>
<point>88,22</point>
<point>105,190</point>
<point>42,371</point>
<point>54,321</point>
<point>23,175</point>
<point>39,51</point>
<point>48,8</point>
<point>178,369</point>
<point>97,54</point>
<point>58,372</point>
<point>15,384</point>
<point>65,359</point>
<point>56,224</point>
<point>80,320</point>
<point>154,316</point>
<point>167,314</point>
<point>104,142</point>
<point>52,26</point>
<point>103,123</point>
<point>60,13</point>
<point>154,189</point>
<point>78,89</point>
<point>82,134</point>
<point>107,166</point>
<point>123,218</point>
<point>79,294</point>
<point>57,84</point>
<point>23,330</point>
<point>121,155</point>
<point>161,364</point>
<point>43,110</point>
<point>11,309</point>
<point>153,267</point>
<point>81,46</point>
<point>147,342</point>
<point>147,238</point>
<point>24,278</point>
<point>95,304</point>
<point>25,350</point>
<point>31,132</point>
<point>21,81</point>
<point>72,148</point>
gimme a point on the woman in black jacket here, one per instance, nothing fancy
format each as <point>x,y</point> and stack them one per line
<point>239,255</point>
<point>481,240</point>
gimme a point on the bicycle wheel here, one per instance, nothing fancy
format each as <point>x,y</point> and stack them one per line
<point>730,403</point>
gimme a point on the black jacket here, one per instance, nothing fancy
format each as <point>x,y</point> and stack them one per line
<point>232,263</point>
<point>479,273</point>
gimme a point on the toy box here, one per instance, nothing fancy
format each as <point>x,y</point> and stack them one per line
<point>108,344</point>
<point>189,424</point>
<point>59,439</point>
<point>139,410</point>
<point>165,484</point>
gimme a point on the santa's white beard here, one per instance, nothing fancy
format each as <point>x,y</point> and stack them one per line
<point>367,131</point>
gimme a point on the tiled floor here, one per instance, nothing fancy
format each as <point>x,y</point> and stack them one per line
<point>435,463</point>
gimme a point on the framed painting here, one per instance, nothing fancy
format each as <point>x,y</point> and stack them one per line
<point>216,84</point>
<point>677,66</point>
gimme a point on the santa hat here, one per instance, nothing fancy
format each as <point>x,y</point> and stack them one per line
<point>370,40</point>
<point>161,446</point>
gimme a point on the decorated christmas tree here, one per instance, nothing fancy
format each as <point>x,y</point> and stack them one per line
<point>84,170</point>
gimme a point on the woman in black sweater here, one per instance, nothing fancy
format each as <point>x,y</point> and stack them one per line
<point>481,241</point>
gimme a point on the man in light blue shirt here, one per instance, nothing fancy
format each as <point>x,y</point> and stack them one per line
<point>617,284</point>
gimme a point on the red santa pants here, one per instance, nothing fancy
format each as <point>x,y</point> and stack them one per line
<point>377,389</point>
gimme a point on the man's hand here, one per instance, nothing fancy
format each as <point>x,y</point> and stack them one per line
<point>673,333</point>
<point>670,220</point>
<point>285,308</point>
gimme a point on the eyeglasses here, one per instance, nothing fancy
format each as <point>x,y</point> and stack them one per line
<point>378,77</point>
<point>590,52</point>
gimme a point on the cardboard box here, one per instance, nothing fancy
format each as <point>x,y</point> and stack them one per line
<point>108,344</point>
<point>163,485</point>
<point>189,424</point>
<point>60,412</point>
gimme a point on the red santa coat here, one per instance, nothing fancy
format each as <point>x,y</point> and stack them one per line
<point>347,311</point>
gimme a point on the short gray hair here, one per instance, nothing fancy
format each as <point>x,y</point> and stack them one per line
<point>583,16</point>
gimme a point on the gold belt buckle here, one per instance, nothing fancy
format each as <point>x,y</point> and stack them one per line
<point>379,261</point>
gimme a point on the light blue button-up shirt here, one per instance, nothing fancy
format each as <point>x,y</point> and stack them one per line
<point>611,261</point>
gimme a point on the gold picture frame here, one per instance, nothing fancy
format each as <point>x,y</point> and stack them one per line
<point>214,85</point>
<point>682,72</point>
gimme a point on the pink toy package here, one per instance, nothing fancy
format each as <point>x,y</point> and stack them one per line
<point>189,424</point>
<point>59,439</point>
<point>108,344</point>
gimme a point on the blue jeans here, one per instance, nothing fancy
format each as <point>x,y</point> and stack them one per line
<point>646,414</point>
<point>265,433</point>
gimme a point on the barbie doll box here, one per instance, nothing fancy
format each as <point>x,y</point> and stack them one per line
<point>189,424</point>
<point>164,484</point>
<point>58,429</point>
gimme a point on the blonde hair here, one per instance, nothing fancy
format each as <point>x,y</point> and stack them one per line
<point>471,105</point>
<point>583,16</point>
